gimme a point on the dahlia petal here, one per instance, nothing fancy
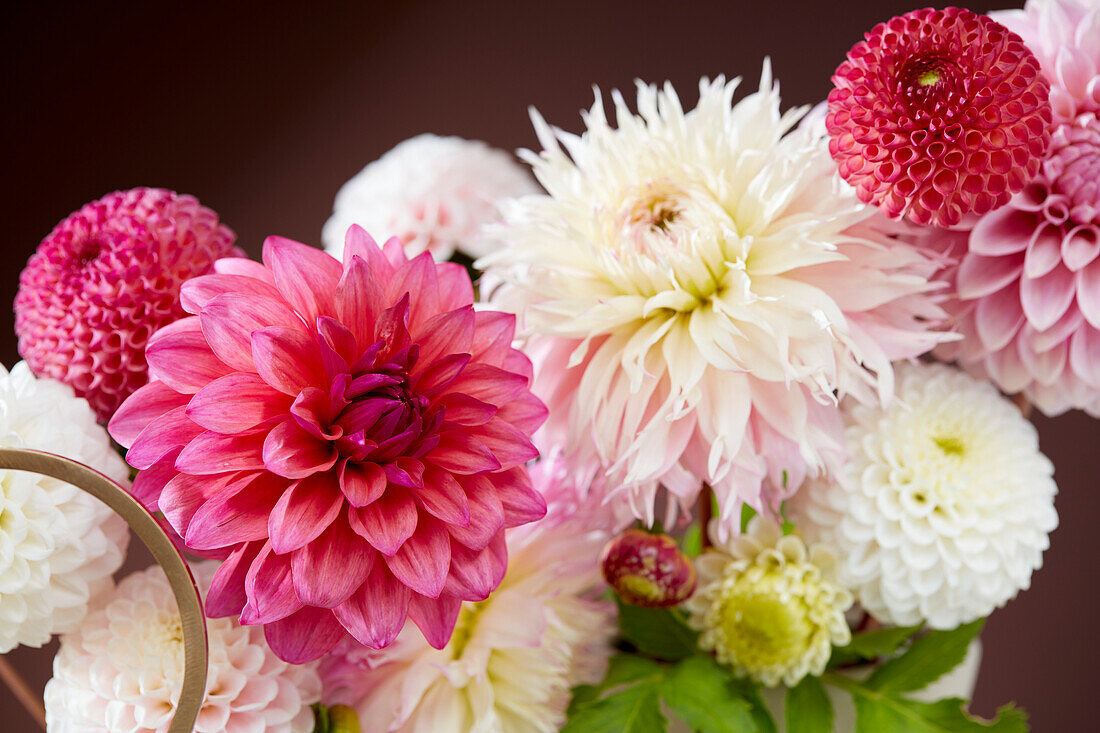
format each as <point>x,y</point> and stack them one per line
<point>526,413</point>
<point>358,296</point>
<point>464,410</point>
<point>339,347</point>
<point>510,446</point>
<point>460,452</point>
<point>446,333</point>
<point>330,568</point>
<point>520,501</point>
<point>184,494</point>
<point>239,513</point>
<point>392,326</point>
<point>417,277</point>
<point>229,320</point>
<point>362,483</point>
<point>998,318</point>
<point>290,451</point>
<point>1002,232</point>
<point>455,287</point>
<point>980,276</point>
<point>423,560</point>
<point>388,522</point>
<point>227,596</point>
<point>1046,298</point>
<point>486,515</point>
<point>490,384</point>
<point>405,471</point>
<point>304,511</point>
<point>287,359</point>
<point>1044,252</point>
<point>435,617</point>
<point>358,243</point>
<point>198,291</point>
<point>167,433</point>
<point>150,482</point>
<point>179,356</point>
<point>442,496</point>
<point>494,332</point>
<point>1080,246</point>
<point>307,277</point>
<point>270,588</point>
<point>306,635</point>
<point>1088,293</point>
<point>235,403</point>
<point>376,612</point>
<point>244,267</point>
<point>440,375</point>
<point>475,574</point>
<point>212,453</point>
<point>1084,355</point>
<point>1066,326</point>
<point>141,408</point>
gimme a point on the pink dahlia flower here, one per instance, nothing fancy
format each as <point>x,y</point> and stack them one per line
<point>938,114</point>
<point>104,280</point>
<point>1065,37</point>
<point>352,437</point>
<point>1028,284</point>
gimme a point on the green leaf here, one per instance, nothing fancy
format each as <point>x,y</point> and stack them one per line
<point>808,708</point>
<point>692,542</point>
<point>627,668</point>
<point>879,712</point>
<point>873,644</point>
<point>656,632</point>
<point>747,513</point>
<point>635,709</point>
<point>928,659</point>
<point>761,715</point>
<point>699,691</point>
<point>582,694</point>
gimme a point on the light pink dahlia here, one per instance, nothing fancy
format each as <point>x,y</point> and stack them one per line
<point>1028,284</point>
<point>1065,37</point>
<point>354,437</point>
<point>938,114</point>
<point>104,280</point>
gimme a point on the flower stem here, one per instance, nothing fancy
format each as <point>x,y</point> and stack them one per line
<point>23,692</point>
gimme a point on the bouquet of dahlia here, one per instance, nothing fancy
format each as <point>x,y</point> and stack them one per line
<point>719,426</point>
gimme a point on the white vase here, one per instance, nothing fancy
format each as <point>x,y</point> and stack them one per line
<point>959,682</point>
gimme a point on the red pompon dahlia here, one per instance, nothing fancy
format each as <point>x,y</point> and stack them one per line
<point>104,280</point>
<point>938,114</point>
<point>353,438</point>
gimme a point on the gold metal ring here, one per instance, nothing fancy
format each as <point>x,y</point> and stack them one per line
<point>167,556</point>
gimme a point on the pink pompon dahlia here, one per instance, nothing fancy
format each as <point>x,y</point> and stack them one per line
<point>1065,37</point>
<point>938,114</point>
<point>1028,283</point>
<point>353,437</point>
<point>104,280</point>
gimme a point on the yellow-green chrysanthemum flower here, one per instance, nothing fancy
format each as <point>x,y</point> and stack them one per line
<point>768,606</point>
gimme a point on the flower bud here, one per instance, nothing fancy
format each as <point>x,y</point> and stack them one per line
<point>647,569</point>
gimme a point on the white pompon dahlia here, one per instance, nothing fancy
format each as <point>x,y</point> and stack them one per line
<point>769,606</point>
<point>433,193</point>
<point>58,545</point>
<point>696,286</point>
<point>122,670</point>
<point>944,508</point>
<point>514,657</point>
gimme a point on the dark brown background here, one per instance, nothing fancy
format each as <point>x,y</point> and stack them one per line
<point>263,113</point>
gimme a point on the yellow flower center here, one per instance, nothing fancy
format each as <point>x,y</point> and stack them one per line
<point>950,445</point>
<point>763,630</point>
<point>930,77</point>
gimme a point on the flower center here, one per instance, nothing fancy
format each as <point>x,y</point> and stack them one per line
<point>950,445</point>
<point>87,252</point>
<point>762,630</point>
<point>930,85</point>
<point>382,418</point>
<point>465,626</point>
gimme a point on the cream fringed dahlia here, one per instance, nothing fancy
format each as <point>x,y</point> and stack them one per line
<point>768,606</point>
<point>944,508</point>
<point>696,286</point>
<point>433,193</point>
<point>122,670</point>
<point>58,545</point>
<point>514,657</point>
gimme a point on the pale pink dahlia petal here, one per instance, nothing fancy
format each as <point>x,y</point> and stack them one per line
<point>938,114</point>
<point>104,280</point>
<point>350,436</point>
<point>1063,34</point>
<point>1027,286</point>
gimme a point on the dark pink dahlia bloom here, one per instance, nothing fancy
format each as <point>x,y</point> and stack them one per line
<point>937,114</point>
<point>104,280</point>
<point>352,437</point>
